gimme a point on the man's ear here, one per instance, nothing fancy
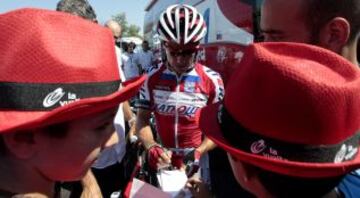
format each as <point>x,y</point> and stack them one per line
<point>335,34</point>
<point>249,172</point>
<point>20,144</point>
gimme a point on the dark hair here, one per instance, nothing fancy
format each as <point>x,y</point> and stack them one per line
<point>283,186</point>
<point>59,130</point>
<point>80,8</point>
<point>130,44</point>
<point>319,12</point>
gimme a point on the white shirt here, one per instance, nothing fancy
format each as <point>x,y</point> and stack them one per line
<point>130,68</point>
<point>116,153</point>
<point>145,59</point>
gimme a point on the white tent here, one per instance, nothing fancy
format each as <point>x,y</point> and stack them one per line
<point>136,40</point>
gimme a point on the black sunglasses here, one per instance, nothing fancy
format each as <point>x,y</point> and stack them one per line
<point>184,53</point>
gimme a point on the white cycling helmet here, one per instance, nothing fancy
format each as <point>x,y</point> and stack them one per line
<point>181,24</point>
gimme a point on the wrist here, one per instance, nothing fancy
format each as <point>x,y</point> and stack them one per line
<point>199,150</point>
<point>151,145</point>
<point>197,154</point>
<point>132,120</point>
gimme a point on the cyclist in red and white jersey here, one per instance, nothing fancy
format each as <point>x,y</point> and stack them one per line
<point>176,91</point>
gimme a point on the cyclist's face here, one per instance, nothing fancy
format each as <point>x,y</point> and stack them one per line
<point>180,58</point>
<point>290,26</point>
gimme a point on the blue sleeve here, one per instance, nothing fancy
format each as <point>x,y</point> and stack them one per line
<point>350,185</point>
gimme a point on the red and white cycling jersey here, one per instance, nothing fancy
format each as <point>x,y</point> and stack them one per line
<point>175,101</point>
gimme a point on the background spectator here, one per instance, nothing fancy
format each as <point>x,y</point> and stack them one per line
<point>130,68</point>
<point>145,58</point>
<point>81,8</point>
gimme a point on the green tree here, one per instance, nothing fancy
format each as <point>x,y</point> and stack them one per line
<point>127,29</point>
<point>133,30</point>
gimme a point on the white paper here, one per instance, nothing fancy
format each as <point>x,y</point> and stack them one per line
<point>140,189</point>
<point>173,182</point>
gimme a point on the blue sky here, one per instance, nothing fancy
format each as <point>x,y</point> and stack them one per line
<point>104,9</point>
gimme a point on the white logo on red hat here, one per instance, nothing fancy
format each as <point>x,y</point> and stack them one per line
<point>345,153</point>
<point>52,98</point>
<point>258,146</point>
<point>351,152</point>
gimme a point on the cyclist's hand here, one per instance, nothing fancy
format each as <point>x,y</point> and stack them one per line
<point>192,162</point>
<point>158,157</point>
<point>192,156</point>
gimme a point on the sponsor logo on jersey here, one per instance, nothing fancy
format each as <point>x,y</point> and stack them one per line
<point>189,87</point>
<point>182,110</point>
<point>181,98</point>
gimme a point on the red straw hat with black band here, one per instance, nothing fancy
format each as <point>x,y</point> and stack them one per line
<point>56,67</point>
<point>292,109</point>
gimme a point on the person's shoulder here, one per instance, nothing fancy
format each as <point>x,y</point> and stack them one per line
<point>124,55</point>
<point>207,70</point>
<point>154,71</point>
<point>143,53</point>
<point>137,54</point>
<point>211,77</point>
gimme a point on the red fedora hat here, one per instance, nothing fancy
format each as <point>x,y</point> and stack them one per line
<point>56,67</point>
<point>290,108</point>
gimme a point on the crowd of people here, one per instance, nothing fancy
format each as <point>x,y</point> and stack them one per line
<point>74,104</point>
<point>135,63</point>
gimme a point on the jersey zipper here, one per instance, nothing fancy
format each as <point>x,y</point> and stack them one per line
<point>178,81</point>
